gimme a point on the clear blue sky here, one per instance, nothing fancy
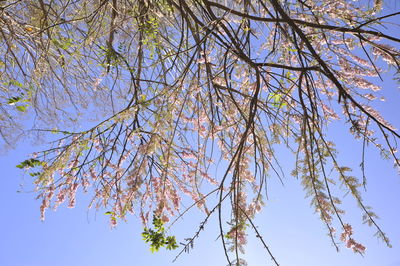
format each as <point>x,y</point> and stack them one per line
<point>296,236</point>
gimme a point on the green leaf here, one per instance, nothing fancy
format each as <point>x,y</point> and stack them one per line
<point>276,99</point>
<point>63,43</point>
<point>30,163</point>
<point>14,100</point>
<point>22,108</point>
<point>35,174</point>
<point>171,243</point>
<point>16,83</point>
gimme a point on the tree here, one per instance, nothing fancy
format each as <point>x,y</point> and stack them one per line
<point>143,99</point>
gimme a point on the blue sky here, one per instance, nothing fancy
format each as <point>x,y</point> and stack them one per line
<point>296,236</point>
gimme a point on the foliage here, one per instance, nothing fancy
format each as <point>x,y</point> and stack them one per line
<point>157,237</point>
<point>30,163</point>
<point>149,97</point>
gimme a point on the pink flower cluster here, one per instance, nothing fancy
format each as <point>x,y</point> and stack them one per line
<point>350,242</point>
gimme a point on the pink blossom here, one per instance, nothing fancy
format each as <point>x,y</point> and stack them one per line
<point>43,207</point>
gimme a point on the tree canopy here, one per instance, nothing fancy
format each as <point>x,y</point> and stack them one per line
<point>144,100</point>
